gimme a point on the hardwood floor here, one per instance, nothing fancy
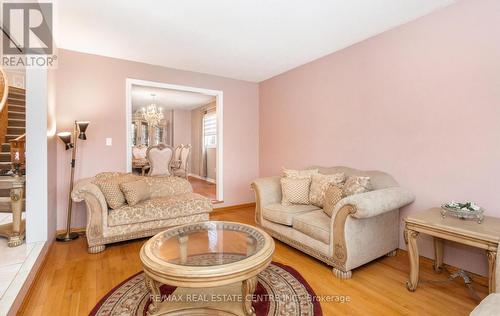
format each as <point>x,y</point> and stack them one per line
<point>204,188</point>
<point>72,281</point>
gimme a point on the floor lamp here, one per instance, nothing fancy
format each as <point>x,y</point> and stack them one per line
<point>70,141</point>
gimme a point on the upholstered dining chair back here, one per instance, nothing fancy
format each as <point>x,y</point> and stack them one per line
<point>160,157</point>
<point>177,153</point>
<point>139,152</point>
<point>185,151</point>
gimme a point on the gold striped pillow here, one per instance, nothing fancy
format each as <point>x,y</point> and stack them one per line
<point>333,195</point>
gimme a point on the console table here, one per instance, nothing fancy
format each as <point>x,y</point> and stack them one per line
<point>15,231</point>
<point>485,236</point>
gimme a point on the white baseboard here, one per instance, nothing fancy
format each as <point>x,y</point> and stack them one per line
<point>201,178</point>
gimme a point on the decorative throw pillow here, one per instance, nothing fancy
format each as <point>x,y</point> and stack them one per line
<point>295,191</point>
<point>333,195</point>
<point>154,187</point>
<point>135,191</point>
<point>319,185</point>
<point>109,183</point>
<point>299,174</point>
<point>356,185</point>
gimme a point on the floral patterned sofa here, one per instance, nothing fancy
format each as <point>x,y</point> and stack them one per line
<point>125,206</point>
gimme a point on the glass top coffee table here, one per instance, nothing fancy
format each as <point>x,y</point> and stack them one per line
<point>205,255</point>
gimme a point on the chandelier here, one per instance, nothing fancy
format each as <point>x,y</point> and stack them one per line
<point>152,113</point>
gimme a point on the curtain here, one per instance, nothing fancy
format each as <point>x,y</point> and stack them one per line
<point>203,151</point>
<point>208,137</point>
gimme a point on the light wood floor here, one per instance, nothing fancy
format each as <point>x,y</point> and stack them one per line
<point>72,281</point>
<point>204,188</point>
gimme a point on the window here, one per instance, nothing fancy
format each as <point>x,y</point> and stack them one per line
<point>210,130</point>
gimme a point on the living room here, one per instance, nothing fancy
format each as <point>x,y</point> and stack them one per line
<point>345,132</point>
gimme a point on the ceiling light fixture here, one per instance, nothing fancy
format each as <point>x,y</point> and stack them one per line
<point>152,113</point>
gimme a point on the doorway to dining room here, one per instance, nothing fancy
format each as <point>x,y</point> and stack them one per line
<point>188,119</point>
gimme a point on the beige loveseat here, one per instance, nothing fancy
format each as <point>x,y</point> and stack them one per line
<point>362,227</point>
<point>172,204</point>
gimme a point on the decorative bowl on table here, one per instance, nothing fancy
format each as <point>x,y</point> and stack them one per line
<point>467,210</point>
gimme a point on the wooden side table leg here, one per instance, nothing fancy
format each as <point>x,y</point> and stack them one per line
<point>438,254</point>
<point>492,264</point>
<point>154,292</point>
<point>247,289</point>
<point>411,241</point>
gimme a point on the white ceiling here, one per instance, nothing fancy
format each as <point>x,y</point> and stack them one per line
<point>168,99</point>
<point>243,39</point>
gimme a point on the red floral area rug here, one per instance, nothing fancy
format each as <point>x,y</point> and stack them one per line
<point>281,290</point>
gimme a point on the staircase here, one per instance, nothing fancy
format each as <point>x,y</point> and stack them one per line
<point>16,124</point>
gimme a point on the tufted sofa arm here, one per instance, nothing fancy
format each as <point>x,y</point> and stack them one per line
<point>373,203</point>
<point>267,191</point>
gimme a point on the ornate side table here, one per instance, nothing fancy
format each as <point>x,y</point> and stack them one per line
<point>15,231</point>
<point>485,236</point>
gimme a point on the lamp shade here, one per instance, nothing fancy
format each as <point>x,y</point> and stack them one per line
<point>82,127</point>
<point>65,137</point>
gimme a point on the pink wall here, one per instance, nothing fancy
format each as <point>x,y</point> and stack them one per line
<point>91,87</point>
<point>421,102</point>
<point>182,127</point>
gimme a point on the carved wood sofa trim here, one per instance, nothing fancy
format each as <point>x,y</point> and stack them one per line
<point>337,237</point>
<point>257,204</point>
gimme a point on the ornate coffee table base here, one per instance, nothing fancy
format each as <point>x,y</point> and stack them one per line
<point>236,308</point>
<point>213,265</point>
<point>247,289</point>
<point>154,291</point>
